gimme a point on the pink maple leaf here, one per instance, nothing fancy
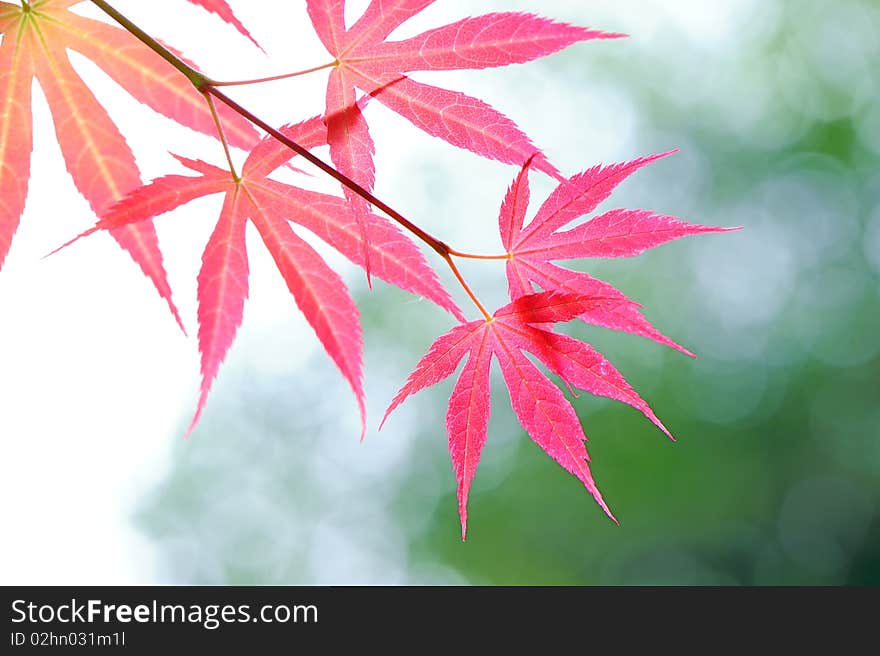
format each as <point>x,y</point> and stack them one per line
<point>617,233</point>
<point>365,60</point>
<point>318,291</point>
<point>539,405</point>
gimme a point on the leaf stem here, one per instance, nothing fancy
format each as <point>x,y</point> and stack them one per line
<point>273,78</point>
<point>471,256</point>
<point>466,287</point>
<point>222,136</point>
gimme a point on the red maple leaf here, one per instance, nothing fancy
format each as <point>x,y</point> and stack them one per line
<point>36,39</point>
<point>365,60</point>
<point>539,405</point>
<point>617,233</point>
<point>318,291</point>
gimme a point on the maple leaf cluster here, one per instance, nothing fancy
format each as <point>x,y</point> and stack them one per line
<point>367,64</point>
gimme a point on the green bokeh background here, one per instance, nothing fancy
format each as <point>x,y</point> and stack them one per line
<point>775,477</point>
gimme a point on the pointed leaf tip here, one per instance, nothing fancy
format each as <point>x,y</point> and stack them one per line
<point>513,208</point>
<point>222,290</point>
<point>200,405</point>
<point>224,11</point>
<point>467,419</point>
<point>71,242</point>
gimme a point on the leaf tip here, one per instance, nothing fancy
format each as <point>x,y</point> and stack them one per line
<point>462,515</point>
<point>192,425</point>
<point>70,242</point>
<point>539,161</point>
<point>200,406</point>
<point>646,410</point>
<point>604,506</point>
<point>385,417</point>
<point>362,406</point>
<point>175,314</point>
<point>664,429</point>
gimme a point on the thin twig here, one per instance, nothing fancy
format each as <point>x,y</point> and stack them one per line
<point>273,78</point>
<point>222,135</point>
<point>472,256</point>
<point>466,287</point>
